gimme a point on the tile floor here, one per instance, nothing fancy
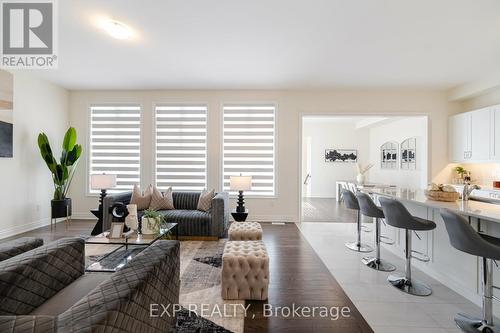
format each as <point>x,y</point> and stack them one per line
<point>385,309</point>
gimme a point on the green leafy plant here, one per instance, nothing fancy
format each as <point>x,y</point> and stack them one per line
<point>155,219</point>
<point>62,172</point>
<point>461,171</point>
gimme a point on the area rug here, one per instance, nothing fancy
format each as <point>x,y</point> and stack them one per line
<point>201,265</point>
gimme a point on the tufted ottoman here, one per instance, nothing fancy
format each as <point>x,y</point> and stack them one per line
<point>245,270</point>
<point>245,231</point>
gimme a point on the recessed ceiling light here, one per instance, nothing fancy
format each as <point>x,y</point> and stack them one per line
<point>117,29</point>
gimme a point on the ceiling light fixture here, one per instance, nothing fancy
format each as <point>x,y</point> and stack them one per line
<point>117,29</point>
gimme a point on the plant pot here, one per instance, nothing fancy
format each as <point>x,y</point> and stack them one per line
<point>149,226</point>
<point>60,208</point>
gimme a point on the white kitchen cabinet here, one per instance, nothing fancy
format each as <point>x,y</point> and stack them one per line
<point>495,133</point>
<point>471,136</point>
<point>459,137</point>
<point>480,135</point>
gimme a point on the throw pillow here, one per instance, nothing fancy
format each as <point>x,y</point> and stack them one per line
<point>162,200</point>
<point>142,200</point>
<point>205,201</point>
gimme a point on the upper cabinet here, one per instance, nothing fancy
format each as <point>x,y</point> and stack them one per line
<point>495,133</point>
<point>473,136</point>
<point>480,135</point>
<point>459,137</point>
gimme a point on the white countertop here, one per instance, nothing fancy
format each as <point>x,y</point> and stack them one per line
<point>482,210</point>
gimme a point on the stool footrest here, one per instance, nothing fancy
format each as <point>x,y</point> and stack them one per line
<point>420,256</point>
<point>365,228</point>
<point>386,240</point>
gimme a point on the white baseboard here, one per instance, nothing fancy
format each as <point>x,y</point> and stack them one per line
<point>271,218</point>
<point>18,229</point>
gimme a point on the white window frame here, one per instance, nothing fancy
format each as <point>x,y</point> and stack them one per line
<point>275,145</point>
<point>88,151</point>
<point>155,150</point>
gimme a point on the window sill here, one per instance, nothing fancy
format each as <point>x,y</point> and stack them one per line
<point>254,196</point>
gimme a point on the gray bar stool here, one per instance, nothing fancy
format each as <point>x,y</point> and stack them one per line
<point>464,238</point>
<point>368,208</point>
<point>351,202</point>
<point>398,216</point>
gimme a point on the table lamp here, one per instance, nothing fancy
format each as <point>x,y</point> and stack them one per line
<point>101,182</point>
<point>240,183</point>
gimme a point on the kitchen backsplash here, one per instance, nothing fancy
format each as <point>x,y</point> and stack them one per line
<point>483,174</point>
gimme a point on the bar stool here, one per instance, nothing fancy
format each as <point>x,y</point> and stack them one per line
<point>464,238</point>
<point>398,216</point>
<point>368,208</point>
<point>351,202</point>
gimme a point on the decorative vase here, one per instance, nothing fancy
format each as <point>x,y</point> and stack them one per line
<point>131,219</point>
<point>60,208</point>
<point>360,178</point>
<point>149,226</point>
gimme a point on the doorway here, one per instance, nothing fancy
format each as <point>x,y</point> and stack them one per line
<point>333,146</point>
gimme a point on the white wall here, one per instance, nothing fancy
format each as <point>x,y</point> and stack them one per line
<point>26,182</point>
<point>291,106</point>
<point>327,134</point>
<point>399,130</point>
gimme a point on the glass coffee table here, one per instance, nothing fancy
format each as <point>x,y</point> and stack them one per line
<point>127,247</point>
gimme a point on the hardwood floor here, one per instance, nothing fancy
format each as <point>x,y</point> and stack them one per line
<point>298,276</point>
<point>74,228</point>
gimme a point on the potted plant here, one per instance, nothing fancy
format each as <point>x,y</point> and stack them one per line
<point>461,172</point>
<point>62,172</point>
<point>151,222</point>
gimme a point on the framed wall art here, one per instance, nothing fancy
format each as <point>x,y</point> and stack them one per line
<point>409,154</point>
<point>389,155</point>
<point>341,155</point>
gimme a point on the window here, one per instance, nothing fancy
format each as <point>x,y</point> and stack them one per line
<point>181,147</point>
<point>248,146</point>
<point>115,139</point>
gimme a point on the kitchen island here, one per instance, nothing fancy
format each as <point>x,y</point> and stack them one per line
<point>457,270</point>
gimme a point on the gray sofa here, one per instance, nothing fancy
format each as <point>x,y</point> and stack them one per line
<point>46,290</point>
<point>17,246</point>
<point>192,223</point>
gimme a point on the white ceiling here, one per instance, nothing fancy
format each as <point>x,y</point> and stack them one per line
<point>263,44</point>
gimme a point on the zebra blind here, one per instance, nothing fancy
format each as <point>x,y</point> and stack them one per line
<point>181,147</point>
<point>249,146</point>
<point>115,139</point>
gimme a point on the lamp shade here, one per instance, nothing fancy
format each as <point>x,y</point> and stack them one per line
<point>102,181</point>
<point>240,183</point>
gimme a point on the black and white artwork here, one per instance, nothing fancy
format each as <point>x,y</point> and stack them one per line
<point>341,155</point>
<point>389,155</point>
<point>409,154</point>
<point>6,114</point>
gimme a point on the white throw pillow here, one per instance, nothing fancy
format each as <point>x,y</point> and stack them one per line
<point>205,201</point>
<point>163,200</point>
<point>142,200</point>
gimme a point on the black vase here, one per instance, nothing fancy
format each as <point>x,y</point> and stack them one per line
<point>60,208</point>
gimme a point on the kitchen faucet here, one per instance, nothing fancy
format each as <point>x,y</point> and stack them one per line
<point>467,190</point>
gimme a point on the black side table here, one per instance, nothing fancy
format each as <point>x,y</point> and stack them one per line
<point>239,216</point>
